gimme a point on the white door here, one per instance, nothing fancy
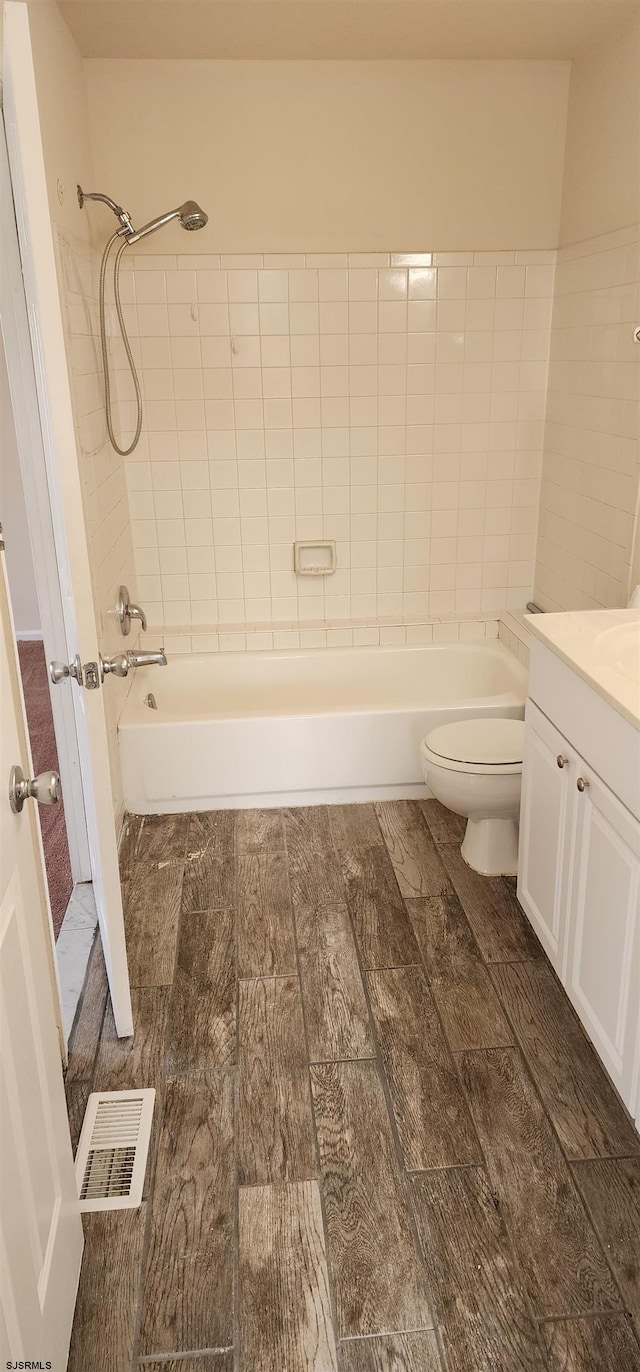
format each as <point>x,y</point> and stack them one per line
<point>603,975</point>
<point>65,494</point>
<point>548,780</point>
<point>40,1225</point>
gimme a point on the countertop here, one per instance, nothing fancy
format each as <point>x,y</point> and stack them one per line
<point>603,647</point>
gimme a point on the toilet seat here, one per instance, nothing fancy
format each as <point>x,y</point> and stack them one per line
<point>485,747</point>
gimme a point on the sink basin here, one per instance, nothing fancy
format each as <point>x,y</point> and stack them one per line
<point>621,645</point>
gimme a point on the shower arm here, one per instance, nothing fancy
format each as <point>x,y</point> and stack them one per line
<point>122,215</point>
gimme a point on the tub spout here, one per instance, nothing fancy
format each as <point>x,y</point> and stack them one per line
<point>151,658</point>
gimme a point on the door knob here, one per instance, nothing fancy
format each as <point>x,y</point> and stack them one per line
<point>59,671</point>
<point>561,761</point>
<point>582,784</point>
<point>45,788</point>
<point>113,666</point>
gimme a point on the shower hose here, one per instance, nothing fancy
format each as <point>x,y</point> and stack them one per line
<point>124,452</point>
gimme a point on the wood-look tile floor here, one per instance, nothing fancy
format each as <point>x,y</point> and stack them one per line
<point>381,1143</point>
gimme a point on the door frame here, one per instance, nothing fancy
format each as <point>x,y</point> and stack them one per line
<point>14,325</point>
<point>59,442</point>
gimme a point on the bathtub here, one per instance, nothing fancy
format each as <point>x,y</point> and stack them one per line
<point>236,730</point>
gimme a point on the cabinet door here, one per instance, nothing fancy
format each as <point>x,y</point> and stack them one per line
<point>603,972</point>
<point>548,783</point>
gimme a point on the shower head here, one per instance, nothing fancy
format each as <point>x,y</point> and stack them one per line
<point>190,215</point>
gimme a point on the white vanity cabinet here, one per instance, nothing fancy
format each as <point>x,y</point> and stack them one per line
<point>602,975</point>
<point>544,855</point>
<point>579,860</point>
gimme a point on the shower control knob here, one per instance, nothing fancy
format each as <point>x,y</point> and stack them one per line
<point>44,788</point>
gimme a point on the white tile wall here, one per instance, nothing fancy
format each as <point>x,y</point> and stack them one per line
<point>392,402</point>
<point>589,495</point>
<point>104,491</point>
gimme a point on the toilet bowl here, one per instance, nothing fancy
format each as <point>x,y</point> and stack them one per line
<point>474,767</point>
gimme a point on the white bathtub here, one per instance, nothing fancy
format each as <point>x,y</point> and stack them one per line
<point>235,730</point>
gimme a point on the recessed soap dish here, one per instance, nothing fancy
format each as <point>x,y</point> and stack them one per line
<point>314,559</point>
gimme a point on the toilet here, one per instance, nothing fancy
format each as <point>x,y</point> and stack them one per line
<point>474,767</point>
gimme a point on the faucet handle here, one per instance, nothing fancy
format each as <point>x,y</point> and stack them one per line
<point>126,611</point>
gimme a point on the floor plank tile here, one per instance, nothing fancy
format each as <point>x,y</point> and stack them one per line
<point>285,1309</point>
<point>128,844</point>
<point>162,838</point>
<point>611,1189</point>
<point>259,831</point>
<point>188,1291</point>
<point>431,1112</point>
<point>479,1304</point>
<point>266,946</point>
<point>123,1064</point>
<point>77,1094</point>
<point>202,1019</point>
<point>335,1006</point>
<point>577,1093</point>
<point>209,874</point>
<point>413,853</point>
<point>354,826</point>
<point>500,926</point>
<point>275,1127</point>
<point>380,921</point>
<point>378,1272</point>
<point>152,912</point>
<point>560,1260</point>
<point>606,1344</point>
<point>315,878</point>
<point>83,1044</point>
<point>307,826</point>
<point>104,1324</point>
<point>463,991</point>
<point>444,826</point>
<point>392,1353</point>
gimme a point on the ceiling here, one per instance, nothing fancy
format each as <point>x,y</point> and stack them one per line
<point>341,29</point>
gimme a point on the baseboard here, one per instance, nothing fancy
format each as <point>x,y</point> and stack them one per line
<point>29,635</point>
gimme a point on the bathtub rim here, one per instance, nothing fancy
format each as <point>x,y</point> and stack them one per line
<point>136,714</point>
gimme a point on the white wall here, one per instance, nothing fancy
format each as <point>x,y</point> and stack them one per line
<point>333,156</point>
<point>22,583</point>
<point>63,115</point>
<point>601,189</point>
<point>589,492</point>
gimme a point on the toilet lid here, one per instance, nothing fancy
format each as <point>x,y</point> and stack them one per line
<point>491,742</point>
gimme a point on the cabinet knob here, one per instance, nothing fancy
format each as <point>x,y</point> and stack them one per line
<point>561,761</point>
<point>582,784</point>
